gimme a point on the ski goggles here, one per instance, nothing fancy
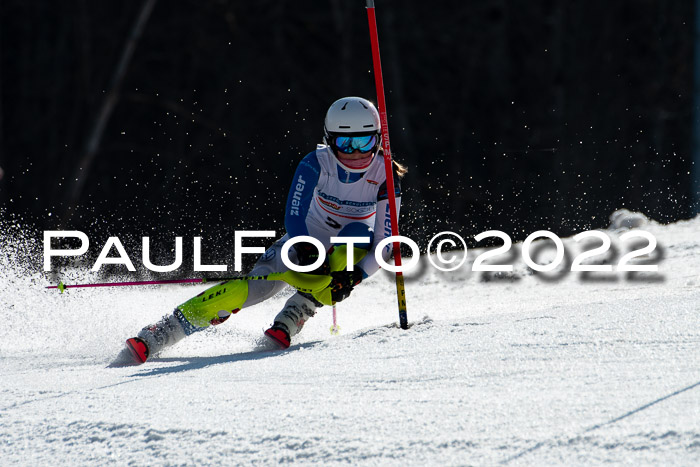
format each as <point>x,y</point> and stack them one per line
<point>349,144</point>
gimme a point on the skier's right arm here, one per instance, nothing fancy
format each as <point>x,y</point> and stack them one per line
<point>300,195</point>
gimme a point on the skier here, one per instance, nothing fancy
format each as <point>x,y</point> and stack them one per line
<point>338,190</point>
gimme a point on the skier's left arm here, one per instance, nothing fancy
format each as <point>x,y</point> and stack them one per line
<point>343,282</point>
<point>382,229</point>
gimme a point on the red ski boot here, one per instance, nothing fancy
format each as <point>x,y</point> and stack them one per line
<point>138,349</point>
<point>279,336</point>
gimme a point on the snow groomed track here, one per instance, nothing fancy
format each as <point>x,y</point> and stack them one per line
<point>517,370</point>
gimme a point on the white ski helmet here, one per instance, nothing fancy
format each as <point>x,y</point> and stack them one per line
<point>352,117</point>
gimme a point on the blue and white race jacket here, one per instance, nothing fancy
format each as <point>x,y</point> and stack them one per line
<point>324,198</point>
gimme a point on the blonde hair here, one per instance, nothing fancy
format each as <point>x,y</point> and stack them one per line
<point>399,168</point>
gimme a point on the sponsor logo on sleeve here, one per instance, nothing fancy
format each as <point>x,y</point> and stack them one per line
<point>296,197</point>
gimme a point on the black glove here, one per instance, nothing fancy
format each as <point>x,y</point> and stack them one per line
<point>308,254</point>
<point>343,282</point>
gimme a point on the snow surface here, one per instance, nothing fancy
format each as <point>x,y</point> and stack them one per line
<point>505,368</point>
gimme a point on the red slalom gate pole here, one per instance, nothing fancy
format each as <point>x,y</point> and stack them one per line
<point>388,165</point>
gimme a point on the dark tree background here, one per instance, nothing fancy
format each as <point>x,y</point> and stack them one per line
<point>511,115</point>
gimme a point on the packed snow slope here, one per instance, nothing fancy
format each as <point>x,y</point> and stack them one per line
<point>515,369</point>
